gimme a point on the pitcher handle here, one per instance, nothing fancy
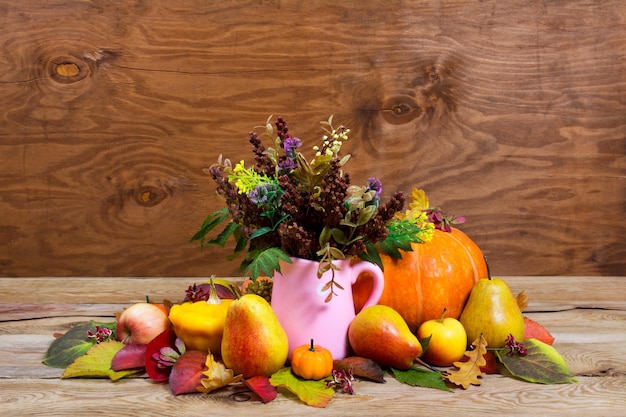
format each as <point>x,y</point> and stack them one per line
<point>378,280</point>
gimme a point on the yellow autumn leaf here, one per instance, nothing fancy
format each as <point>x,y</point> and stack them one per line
<point>216,375</point>
<point>419,200</point>
<point>96,363</point>
<point>522,300</point>
<point>467,373</point>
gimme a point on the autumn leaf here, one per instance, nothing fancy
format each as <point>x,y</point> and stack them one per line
<point>73,344</point>
<point>261,386</point>
<point>216,375</point>
<point>418,377</point>
<point>155,370</point>
<point>96,363</point>
<point>361,367</point>
<point>522,301</point>
<point>419,200</point>
<point>541,364</point>
<point>311,392</point>
<point>129,357</point>
<point>467,373</point>
<point>187,372</point>
<point>534,330</point>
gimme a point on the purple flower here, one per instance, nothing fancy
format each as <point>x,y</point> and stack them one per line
<point>290,145</point>
<point>374,184</point>
<point>265,194</point>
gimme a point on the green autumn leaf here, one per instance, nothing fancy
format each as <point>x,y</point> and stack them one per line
<point>73,344</point>
<point>418,377</point>
<point>542,364</point>
<point>313,393</point>
<point>96,363</point>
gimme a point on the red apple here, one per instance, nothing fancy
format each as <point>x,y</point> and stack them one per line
<point>140,323</point>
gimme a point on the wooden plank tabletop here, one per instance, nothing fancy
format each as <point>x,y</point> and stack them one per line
<point>587,316</point>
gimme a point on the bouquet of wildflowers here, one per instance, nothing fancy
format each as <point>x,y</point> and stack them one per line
<point>287,206</point>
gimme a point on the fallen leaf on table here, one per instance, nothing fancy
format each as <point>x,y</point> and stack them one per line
<point>74,343</point>
<point>522,301</point>
<point>313,393</point>
<point>129,357</point>
<point>96,363</point>
<point>421,378</point>
<point>467,373</point>
<point>187,372</point>
<point>261,386</point>
<point>534,330</point>
<point>361,367</point>
<point>541,364</point>
<point>216,375</point>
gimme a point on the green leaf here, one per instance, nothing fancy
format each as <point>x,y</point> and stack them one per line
<point>313,393</point>
<point>96,363</point>
<point>73,344</point>
<point>260,232</point>
<point>339,236</point>
<point>266,262</point>
<point>390,249</point>
<point>542,364</point>
<point>224,235</point>
<point>372,255</point>
<point>418,377</point>
<point>209,224</point>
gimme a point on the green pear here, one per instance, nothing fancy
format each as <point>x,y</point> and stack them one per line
<point>254,343</point>
<point>380,333</point>
<point>492,310</point>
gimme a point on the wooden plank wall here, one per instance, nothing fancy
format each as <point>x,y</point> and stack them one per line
<point>512,114</point>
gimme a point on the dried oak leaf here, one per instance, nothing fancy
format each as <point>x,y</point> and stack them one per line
<point>467,373</point>
<point>522,301</point>
<point>216,376</point>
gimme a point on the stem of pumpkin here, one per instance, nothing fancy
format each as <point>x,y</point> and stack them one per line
<point>312,348</point>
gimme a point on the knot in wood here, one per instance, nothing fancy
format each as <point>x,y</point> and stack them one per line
<point>401,109</point>
<point>148,196</point>
<point>67,70</point>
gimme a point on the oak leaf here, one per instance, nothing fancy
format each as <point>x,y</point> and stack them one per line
<point>522,301</point>
<point>217,375</point>
<point>467,373</point>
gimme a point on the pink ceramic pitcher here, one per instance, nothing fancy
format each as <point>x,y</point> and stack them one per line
<point>299,303</point>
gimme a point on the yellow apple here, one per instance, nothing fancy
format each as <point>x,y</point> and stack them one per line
<point>448,340</point>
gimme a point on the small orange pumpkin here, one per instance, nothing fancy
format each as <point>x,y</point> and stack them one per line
<point>435,275</point>
<point>312,361</point>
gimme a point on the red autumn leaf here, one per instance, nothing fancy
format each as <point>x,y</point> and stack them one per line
<point>156,373</point>
<point>261,386</point>
<point>187,372</point>
<point>534,330</point>
<point>131,356</point>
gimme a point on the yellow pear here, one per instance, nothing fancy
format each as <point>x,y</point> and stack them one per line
<point>254,343</point>
<point>380,333</point>
<point>492,310</point>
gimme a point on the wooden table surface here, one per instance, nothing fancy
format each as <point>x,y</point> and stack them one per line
<point>587,316</point>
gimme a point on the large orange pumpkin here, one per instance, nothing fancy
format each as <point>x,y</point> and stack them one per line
<point>435,275</point>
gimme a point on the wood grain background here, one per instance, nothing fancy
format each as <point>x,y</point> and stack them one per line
<point>512,114</point>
